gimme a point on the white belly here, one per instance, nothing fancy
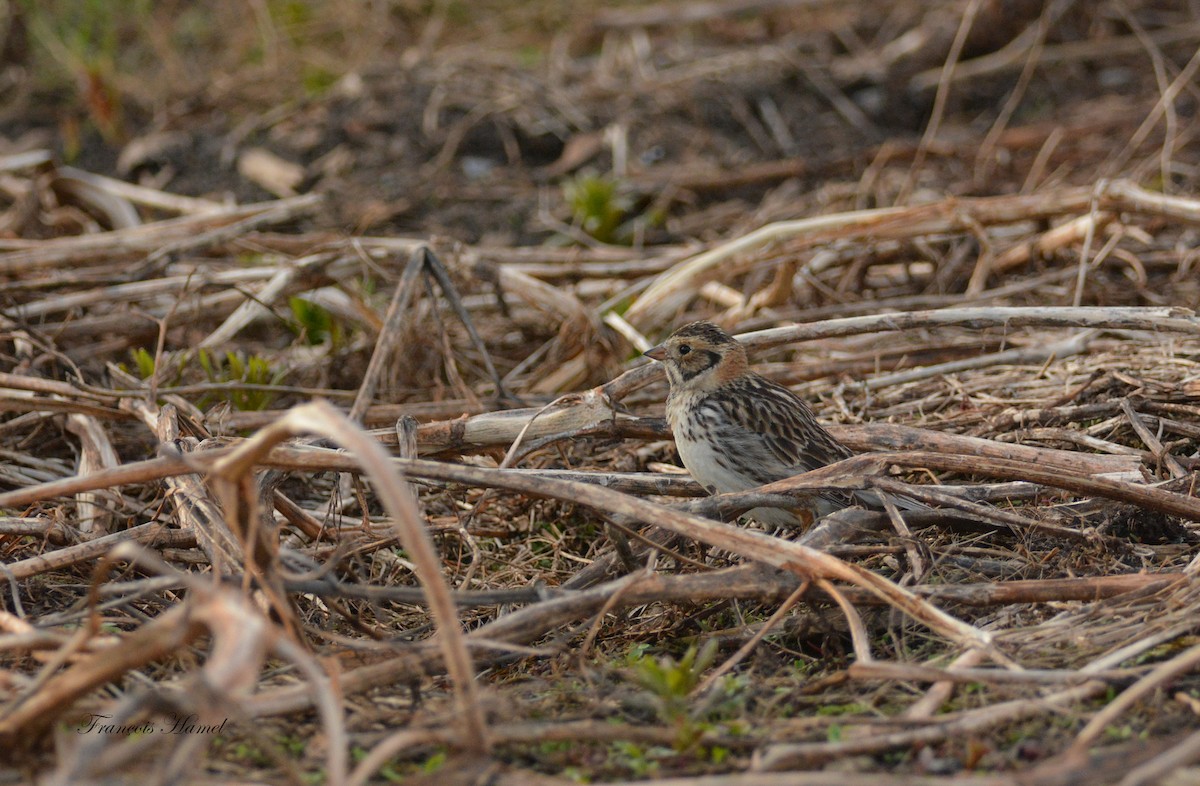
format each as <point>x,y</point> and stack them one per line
<point>709,471</point>
<point>710,468</point>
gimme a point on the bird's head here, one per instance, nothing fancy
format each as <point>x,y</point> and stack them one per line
<point>700,356</point>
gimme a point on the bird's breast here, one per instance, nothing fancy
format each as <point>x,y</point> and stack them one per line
<point>712,464</point>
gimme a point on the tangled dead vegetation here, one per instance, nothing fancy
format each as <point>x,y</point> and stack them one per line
<point>375,507</point>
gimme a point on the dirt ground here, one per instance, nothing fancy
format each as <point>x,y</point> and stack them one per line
<point>468,213</point>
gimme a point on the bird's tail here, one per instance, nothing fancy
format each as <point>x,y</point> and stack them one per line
<point>874,500</point>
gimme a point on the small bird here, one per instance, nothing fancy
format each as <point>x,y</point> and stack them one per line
<point>736,430</point>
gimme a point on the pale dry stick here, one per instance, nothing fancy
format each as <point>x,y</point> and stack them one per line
<point>125,321</point>
<point>1152,442</point>
<point>733,660</point>
<point>1037,170</point>
<point>776,293</point>
<point>590,410</point>
<point>933,495</point>
<point>916,562</point>
<point>1081,440</point>
<point>627,331</point>
<point>174,234</point>
<point>545,298</point>
<point>1184,79</point>
<point>626,585</point>
<point>24,638</point>
<point>162,369</point>
<point>47,405</point>
<point>859,637</point>
<point>96,453</point>
<point>674,287</point>
<point>959,673</point>
<point>1089,236</point>
<point>322,418</point>
<point>1187,700</point>
<point>1158,61</point>
<point>1032,355</point>
<point>433,267</point>
<point>154,532</point>
<point>44,526</point>
<point>1164,672</point>
<point>191,500</point>
<point>510,455</point>
<point>48,386</point>
<point>1169,319</point>
<point>30,159</point>
<point>1193,567</point>
<point>585,264</point>
<point>850,472</point>
<point>115,211</point>
<point>937,112</point>
<point>1061,236</point>
<point>392,746</point>
<point>406,443</point>
<point>1013,54</point>
<point>940,692</point>
<point>983,157</point>
<point>670,15</point>
<point>277,212</point>
<point>390,334</point>
<point>136,291</point>
<point>1128,196</point>
<point>1157,769</point>
<point>828,778</point>
<point>286,280</point>
<point>141,195</point>
<point>1140,644</point>
<point>960,724</point>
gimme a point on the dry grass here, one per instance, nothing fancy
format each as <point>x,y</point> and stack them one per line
<point>499,577</point>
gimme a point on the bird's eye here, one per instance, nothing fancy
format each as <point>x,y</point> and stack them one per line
<point>684,349</point>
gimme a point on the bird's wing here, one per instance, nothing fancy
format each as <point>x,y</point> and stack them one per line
<point>775,427</point>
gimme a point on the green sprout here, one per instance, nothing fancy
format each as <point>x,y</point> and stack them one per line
<point>314,323</point>
<point>235,368</point>
<point>597,205</point>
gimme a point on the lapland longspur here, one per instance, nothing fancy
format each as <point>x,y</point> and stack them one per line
<point>736,430</point>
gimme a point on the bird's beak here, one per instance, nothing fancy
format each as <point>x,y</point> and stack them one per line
<point>658,353</point>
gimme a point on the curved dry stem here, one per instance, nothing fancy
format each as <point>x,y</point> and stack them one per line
<point>322,418</point>
<point>1164,672</point>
